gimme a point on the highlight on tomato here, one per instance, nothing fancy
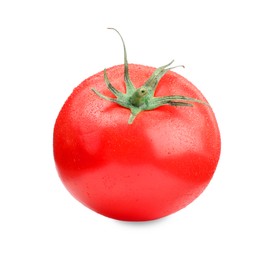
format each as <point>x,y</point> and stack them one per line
<point>136,143</point>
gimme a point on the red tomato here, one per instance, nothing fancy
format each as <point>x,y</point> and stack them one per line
<point>143,169</point>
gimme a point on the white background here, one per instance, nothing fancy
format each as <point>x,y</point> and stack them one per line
<point>49,47</point>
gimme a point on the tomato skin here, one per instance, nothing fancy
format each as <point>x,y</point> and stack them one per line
<point>141,171</point>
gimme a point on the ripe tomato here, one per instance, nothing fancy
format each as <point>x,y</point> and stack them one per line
<point>142,169</point>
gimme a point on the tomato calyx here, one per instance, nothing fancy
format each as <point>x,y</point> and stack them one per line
<point>142,98</point>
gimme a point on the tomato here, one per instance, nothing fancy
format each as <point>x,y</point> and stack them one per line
<point>136,153</point>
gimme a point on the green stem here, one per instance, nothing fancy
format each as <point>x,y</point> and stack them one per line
<point>139,97</point>
<point>138,100</point>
